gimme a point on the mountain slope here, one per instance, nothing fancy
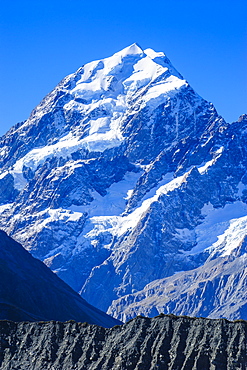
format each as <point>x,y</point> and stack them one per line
<point>122,176</point>
<point>31,292</point>
<point>165,342</point>
<point>215,289</point>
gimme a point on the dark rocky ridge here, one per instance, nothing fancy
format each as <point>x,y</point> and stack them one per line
<point>164,342</point>
<point>29,290</point>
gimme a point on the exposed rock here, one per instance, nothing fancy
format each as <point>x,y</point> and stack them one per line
<point>164,342</point>
<point>213,290</point>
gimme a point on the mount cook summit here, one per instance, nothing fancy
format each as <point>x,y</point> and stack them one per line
<point>132,188</point>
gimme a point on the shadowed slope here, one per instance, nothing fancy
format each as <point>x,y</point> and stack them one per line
<point>30,291</point>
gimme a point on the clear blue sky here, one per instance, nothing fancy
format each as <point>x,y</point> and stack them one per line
<point>43,41</point>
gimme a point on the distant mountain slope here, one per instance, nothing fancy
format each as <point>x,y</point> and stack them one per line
<point>30,291</point>
<point>216,289</point>
<point>123,175</point>
<point>166,343</point>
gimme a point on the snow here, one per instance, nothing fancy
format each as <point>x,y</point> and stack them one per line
<point>19,181</point>
<point>167,180</point>
<point>114,202</point>
<point>185,234</point>
<point>131,50</point>
<point>232,237</point>
<point>96,74</point>
<point>118,225</point>
<point>100,125</point>
<point>5,207</point>
<point>49,216</point>
<point>216,223</point>
<point>5,173</point>
<point>153,54</point>
<point>62,214</point>
<point>104,213</point>
<point>158,93</point>
<point>3,151</point>
<point>106,87</point>
<point>145,70</point>
<point>128,76</point>
<point>217,154</point>
<point>241,188</point>
<point>97,142</point>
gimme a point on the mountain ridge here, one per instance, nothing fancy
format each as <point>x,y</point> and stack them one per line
<point>31,292</point>
<point>164,342</point>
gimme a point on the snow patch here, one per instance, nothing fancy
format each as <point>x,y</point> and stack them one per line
<point>49,216</point>
<point>231,238</point>
<point>19,181</point>
<point>185,235</point>
<point>97,142</point>
<point>241,187</point>
<point>130,50</point>
<point>153,54</point>
<point>145,71</point>
<point>217,221</point>
<point>114,202</point>
<point>203,169</point>
<point>158,93</point>
<point>5,207</point>
<point>3,175</point>
<point>166,179</point>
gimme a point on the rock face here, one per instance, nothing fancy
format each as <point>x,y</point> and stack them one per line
<point>31,291</point>
<point>164,342</point>
<point>123,176</point>
<point>215,289</point>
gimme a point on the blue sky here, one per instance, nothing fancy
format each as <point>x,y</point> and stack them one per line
<point>43,41</point>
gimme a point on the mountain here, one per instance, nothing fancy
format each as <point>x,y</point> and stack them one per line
<point>30,291</point>
<point>164,342</point>
<point>122,177</point>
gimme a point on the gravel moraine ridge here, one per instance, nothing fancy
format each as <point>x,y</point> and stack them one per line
<point>164,342</point>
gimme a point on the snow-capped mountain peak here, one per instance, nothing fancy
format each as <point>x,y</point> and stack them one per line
<point>109,179</point>
<point>133,49</point>
<point>89,107</point>
<point>122,73</point>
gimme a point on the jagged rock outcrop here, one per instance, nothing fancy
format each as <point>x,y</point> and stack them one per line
<point>164,342</point>
<point>30,291</point>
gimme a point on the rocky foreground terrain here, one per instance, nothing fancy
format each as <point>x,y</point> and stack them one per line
<point>164,342</point>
